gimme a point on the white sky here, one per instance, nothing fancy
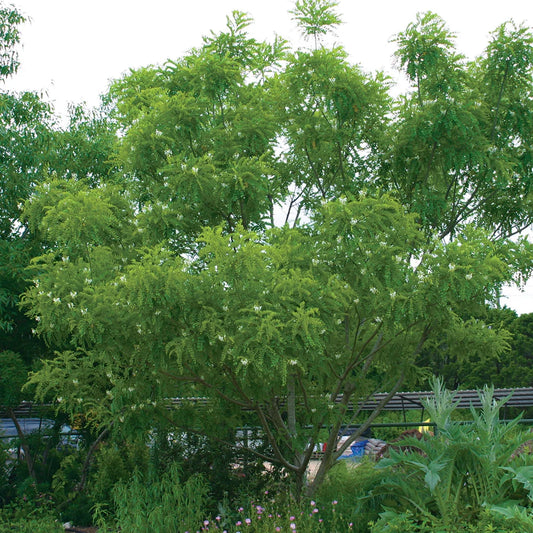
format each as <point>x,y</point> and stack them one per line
<point>71,49</point>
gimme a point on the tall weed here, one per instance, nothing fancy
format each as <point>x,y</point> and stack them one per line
<point>147,505</point>
<point>449,479</point>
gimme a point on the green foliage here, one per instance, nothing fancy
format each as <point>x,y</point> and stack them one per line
<point>279,512</point>
<point>114,465</point>
<point>24,137</point>
<point>10,20</point>
<point>85,148</point>
<point>5,470</point>
<point>199,136</point>
<point>448,479</point>
<point>31,511</point>
<point>160,505</point>
<point>406,523</point>
<point>315,17</point>
<point>25,134</point>
<point>426,53</point>
<point>331,112</point>
<point>350,488</point>
<point>162,272</point>
<point>47,524</point>
<point>459,128</point>
<point>504,361</point>
<point>233,476</point>
<point>14,375</point>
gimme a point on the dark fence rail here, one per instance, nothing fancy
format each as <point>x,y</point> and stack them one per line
<point>404,401</point>
<point>29,410</point>
<point>401,401</point>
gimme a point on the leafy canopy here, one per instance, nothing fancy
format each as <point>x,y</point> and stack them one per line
<point>171,276</point>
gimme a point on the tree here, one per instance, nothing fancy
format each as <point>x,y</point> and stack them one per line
<point>511,367</point>
<point>22,137</point>
<point>176,282</point>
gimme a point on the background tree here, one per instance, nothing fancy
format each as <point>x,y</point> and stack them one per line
<point>23,134</point>
<point>471,368</point>
<point>33,148</point>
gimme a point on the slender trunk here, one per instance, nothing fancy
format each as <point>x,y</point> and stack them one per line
<point>291,412</point>
<point>87,463</point>
<point>299,457</point>
<point>24,444</point>
<point>80,486</point>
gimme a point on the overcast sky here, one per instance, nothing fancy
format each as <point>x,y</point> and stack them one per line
<point>71,49</point>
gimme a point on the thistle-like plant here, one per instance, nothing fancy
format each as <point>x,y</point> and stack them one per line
<point>448,479</point>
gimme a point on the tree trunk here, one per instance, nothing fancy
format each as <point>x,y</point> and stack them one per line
<point>291,416</point>
<point>299,474</point>
<point>24,444</point>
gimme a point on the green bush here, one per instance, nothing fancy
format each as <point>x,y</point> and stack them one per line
<point>351,489</point>
<point>234,476</point>
<point>166,505</point>
<point>113,464</point>
<point>449,480</point>
<point>6,488</point>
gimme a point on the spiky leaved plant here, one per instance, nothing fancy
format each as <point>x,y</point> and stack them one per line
<point>448,479</point>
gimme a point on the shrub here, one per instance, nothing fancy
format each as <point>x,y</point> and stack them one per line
<point>351,488</point>
<point>449,479</point>
<point>148,505</point>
